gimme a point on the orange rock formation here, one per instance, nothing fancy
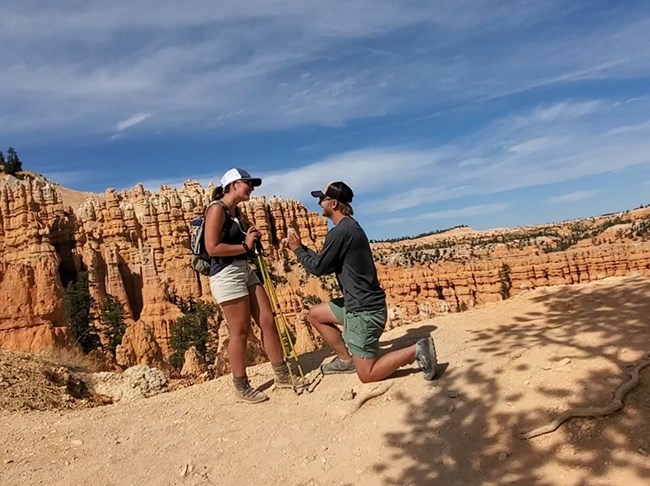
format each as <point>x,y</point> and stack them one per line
<point>135,246</point>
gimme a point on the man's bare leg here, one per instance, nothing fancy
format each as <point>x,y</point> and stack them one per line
<point>377,369</point>
<point>324,321</point>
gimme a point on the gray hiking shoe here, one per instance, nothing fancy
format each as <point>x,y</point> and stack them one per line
<point>284,381</point>
<point>338,365</point>
<point>283,377</point>
<point>425,354</point>
<point>246,393</point>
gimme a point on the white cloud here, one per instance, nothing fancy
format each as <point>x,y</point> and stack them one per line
<point>635,127</point>
<point>458,214</point>
<point>393,179</point>
<point>366,171</point>
<point>573,197</point>
<point>247,66</point>
<point>533,145</point>
<point>195,64</point>
<point>132,121</point>
<point>567,110</point>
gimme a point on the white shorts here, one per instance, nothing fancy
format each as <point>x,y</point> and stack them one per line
<point>233,281</point>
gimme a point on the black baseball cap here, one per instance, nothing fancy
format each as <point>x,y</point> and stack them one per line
<point>336,190</point>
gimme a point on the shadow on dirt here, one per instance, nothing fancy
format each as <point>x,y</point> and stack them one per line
<point>458,438</point>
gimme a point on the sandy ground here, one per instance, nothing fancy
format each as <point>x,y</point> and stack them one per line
<point>510,367</point>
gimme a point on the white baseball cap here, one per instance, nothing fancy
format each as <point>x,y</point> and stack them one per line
<point>239,175</point>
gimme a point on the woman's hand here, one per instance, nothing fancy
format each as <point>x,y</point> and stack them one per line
<point>252,235</point>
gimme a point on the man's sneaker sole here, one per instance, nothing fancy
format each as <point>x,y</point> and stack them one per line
<point>337,372</point>
<point>429,365</point>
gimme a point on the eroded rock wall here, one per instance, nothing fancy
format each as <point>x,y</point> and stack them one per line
<point>135,246</point>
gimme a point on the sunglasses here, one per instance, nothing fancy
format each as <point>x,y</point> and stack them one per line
<point>324,198</point>
<point>248,183</point>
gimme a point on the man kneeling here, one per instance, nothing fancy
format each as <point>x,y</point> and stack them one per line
<point>362,310</point>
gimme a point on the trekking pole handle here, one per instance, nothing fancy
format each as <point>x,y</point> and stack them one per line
<point>259,248</point>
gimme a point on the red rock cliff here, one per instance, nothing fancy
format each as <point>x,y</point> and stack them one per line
<point>135,246</point>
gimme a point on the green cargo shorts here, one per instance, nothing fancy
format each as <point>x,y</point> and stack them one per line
<point>361,329</point>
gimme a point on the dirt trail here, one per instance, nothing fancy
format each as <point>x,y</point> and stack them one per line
<point>509,367</point>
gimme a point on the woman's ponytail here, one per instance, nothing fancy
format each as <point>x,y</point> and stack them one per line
<point>217,193</point>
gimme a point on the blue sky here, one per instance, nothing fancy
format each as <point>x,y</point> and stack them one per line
<point>437,113</point>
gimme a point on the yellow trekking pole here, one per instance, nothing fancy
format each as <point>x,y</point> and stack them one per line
<point>298,382</point>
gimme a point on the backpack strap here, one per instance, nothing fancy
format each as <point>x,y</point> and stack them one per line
<point>229,218</point>
<point>225,209</point>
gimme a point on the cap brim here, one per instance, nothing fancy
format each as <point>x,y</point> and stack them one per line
<point>255,180</point>
<point>318,194</point>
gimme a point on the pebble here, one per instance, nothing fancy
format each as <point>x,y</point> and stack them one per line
<point>448,460</point>
<point>347,395</point>
<point>9,461</point>
<point>76,442</point>
<point>451,408</point>
<point>564,362</point>
<point>503,456</point>
<point>453,394</point>
<point>527,382</point>
<point>642,451</point>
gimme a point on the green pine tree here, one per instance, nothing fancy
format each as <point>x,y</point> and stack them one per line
<point>193,328</point>
<point>2,162</point>
<point>112,317</point>
<point>79,317</point>
<point>13,163</point>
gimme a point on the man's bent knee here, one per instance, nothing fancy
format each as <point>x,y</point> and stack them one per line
<point>312,316</point>
<point>364,368</point>
<point>320,314</point>
<point>363,377</point>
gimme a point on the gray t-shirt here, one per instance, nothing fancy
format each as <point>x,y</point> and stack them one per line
<point>346,253</point>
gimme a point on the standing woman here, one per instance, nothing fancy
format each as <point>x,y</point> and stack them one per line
<point>234,284</point>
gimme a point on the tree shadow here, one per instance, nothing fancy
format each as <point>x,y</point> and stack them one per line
<point>467,430</point>
<point>411,336</point>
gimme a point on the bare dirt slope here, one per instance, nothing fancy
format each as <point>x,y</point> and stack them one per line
<point>511,366</point>
<point>37,382</point>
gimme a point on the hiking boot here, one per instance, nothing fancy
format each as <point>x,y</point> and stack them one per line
<point>425,354</point>
<point>246,393</point>
<point>338,365</point>
<point>283,378</point>
<point>284,381</point>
